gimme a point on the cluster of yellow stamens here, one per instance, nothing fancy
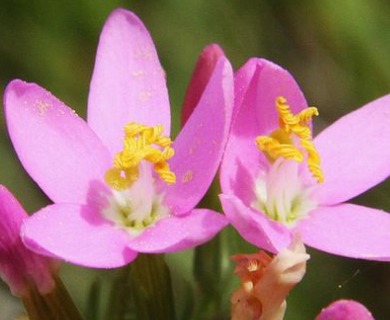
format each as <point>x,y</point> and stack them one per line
<point>140,144</point>
<point>280,142</point>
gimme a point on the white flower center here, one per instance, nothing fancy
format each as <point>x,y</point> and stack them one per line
<point>282,193</point>
<point>137,207</point>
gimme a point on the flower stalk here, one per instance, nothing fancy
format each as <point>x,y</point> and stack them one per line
<point>143,291</point>
<point>56,304</point>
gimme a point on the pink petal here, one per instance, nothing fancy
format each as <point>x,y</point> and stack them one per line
<point>18,265</point>
<point>242,160</point>
<point>271,82</point>
<point>242,80</point>
<point>254,226</point>
<point>256,115</point>
<point>180,232</point>
<point>77,234</point>
<point>128,83</point>
<point>348,230</point>
<point>345,310</point>
<point>12,215</point>
<point>199,146</point>
<point>200,77</point>
<point>355,152</point>
<point>56,147</point>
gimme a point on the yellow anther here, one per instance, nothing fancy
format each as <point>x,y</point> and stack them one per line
<point>297,124</point>
<point>313,160</point>
<point>280,143</point>
<point>274,149</point>
<point>162,168</point>
<point>140,144</point>
<point>120,179</point>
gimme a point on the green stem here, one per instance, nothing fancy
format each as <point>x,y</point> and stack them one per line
<point>207,272</point>
<point>143,291</point>
<point>56,305</point>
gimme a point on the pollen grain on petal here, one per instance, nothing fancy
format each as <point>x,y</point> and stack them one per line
<point>42,107</point>
<point>188,176</point>
<point>145,96</point>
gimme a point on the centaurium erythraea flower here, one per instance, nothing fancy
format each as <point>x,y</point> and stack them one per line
<point>118,184</point>
<point>276,179</point>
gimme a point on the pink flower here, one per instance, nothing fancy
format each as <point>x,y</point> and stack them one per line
<point>345,310</point>
<point>112,180</point>
<point>20,268</point>
<point>266,282</point>
<point>277,180</point>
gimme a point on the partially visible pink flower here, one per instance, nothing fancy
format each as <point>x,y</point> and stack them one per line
<point>200,77</point>
<point>345,310</point>
<point>266,282</point>
<point>112,180</point>
<point>20,268</point>
<point>277,180</point>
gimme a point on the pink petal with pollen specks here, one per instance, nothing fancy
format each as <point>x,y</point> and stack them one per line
<point>355,152</point>
<point>254,226</point>
<point>199,146</point>
<point>348,230</point>
<point>56,147</point>
<point>128,83</point>
<point>77,234</point>
<point>179,233</point>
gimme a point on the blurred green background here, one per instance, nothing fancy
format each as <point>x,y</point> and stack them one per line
<point>337,50</point>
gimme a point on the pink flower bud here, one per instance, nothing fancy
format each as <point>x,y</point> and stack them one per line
<point>200,77</point>
<point>345,310</point>
<point>20,268</point>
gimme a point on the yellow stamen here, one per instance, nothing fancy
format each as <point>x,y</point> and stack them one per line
<point>297,124</point>
<point>139,144</point>
<point>280,142</point>
<point>313,160</point>
<point>274,149</point>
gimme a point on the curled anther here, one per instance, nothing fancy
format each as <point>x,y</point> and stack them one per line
<point>141,143</point>
<point>274,149</point>
<point>293,139</point>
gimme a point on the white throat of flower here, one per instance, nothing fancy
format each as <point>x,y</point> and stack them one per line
<point>283,193</point>
<point>135,204</point>
<point>138,207</point>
